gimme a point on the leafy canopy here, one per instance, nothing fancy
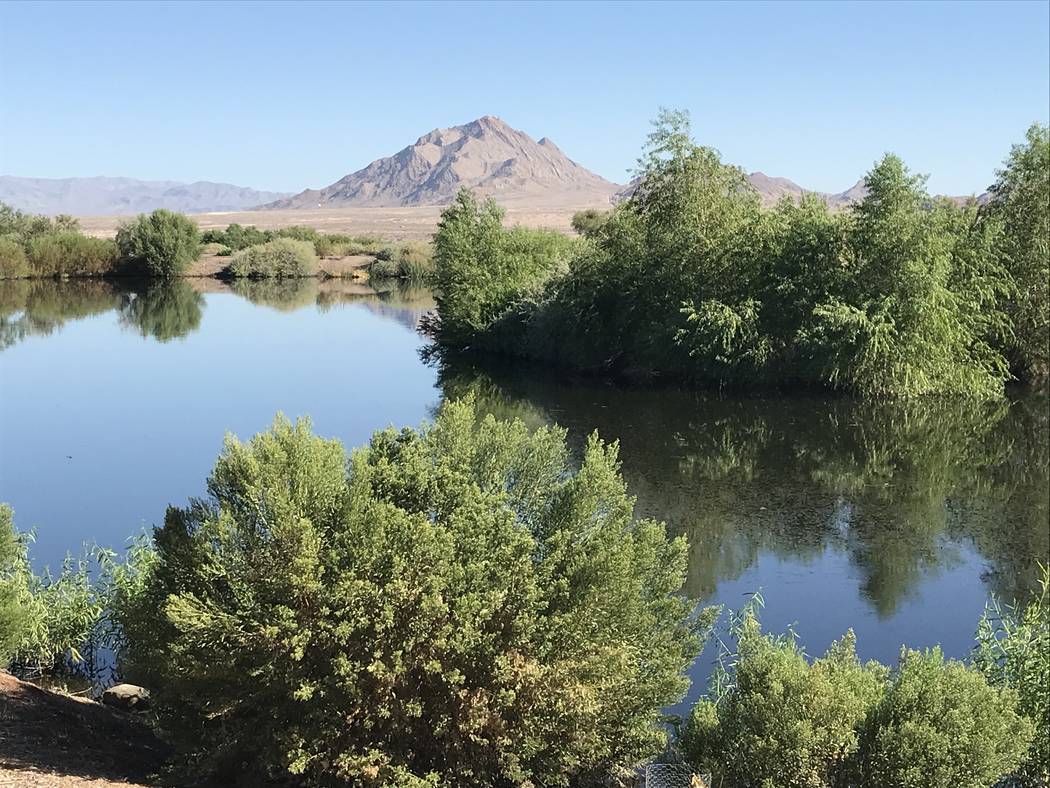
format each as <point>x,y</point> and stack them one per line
<point>450,604</point>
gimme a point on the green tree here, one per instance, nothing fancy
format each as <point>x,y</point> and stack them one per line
<point>163,243</point>
<point>1021,203</point>
<point>482,269</point>
<point>898,328</point>
<point>452,605</point>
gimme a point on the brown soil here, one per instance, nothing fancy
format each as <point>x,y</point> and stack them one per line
<point>56,740</point>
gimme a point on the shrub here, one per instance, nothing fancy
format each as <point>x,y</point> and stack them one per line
<point>12,611</point>
<point>587,223</point>
<point>1013,650</point>
<point>452,605</point>
<point>407,260</point>
<point>775,719</point>
<point>940,725</point>
<point>13,263</point>
<point>779,720</point>
<point>162,243</point>
<point>47,624</point>
<point>71,254</point>
<point>279,258</point>
<point>483,270</point>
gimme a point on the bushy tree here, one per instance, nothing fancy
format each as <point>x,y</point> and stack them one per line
<point>482,269</point>
<point>589,222</point>
<point>940,725</point>
<point>778,720</point>
<point>276,259</point>
<point>453,605</point>
<point>1021,204</point>
<point>163,243</point>
<point>1013,650</point>
<point>13,263</point>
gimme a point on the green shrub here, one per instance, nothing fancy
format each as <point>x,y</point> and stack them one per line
<point>406,260</point>
<point>777,720</point>
<point>587,223</point>
<point>940,725</point>
<point>1013,650</point>
<point>453,605</point>
<point>13,614</point>
<point>279,258</point>
<point>25,226</point>
<point>71,254</point>
<point>13,262</point>
<point>48,624</point>
<point>484,270</point>
<point>162,243</point>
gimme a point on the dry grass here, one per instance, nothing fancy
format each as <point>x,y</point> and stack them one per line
<point>394,224</point>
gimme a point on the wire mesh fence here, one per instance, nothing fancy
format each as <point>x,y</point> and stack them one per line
<point>673,775</point>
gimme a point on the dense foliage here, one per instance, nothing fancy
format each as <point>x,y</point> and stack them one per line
<point>276,259</point>
<point>71,254</point>
<point>484,269</point>
<point>902,294</point>
<point>1021,206</point>
<point>1013,650</point>
<point>412,260</point>
<point>162,243</point>
<point>775,719</point>
<point>452,605</point>
<point>47,622</point>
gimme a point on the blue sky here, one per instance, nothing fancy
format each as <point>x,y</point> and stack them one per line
<point>286,96</point>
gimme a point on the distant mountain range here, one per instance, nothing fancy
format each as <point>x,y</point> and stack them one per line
<point>485,155</point>
<point>103,196</point>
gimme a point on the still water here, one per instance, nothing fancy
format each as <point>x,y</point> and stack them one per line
<point>895,520</point>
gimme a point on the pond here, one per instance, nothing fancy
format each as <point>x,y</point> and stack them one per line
<point>897,520</point>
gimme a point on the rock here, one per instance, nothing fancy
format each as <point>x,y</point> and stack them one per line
<point>129,697</point>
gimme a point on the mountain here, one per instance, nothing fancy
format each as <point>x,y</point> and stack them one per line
<point>772,189</point>
<point>485,155</point>
<point>105,196</point>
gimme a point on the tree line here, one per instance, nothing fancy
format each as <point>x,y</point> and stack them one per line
<point>902,294</point>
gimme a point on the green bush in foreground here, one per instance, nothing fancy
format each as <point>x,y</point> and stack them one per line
<point>276,259</point>
<point>163,243</point>
<point>776,719</point>
<point>453,605</point>
<point>1013,650</point>
<point>13,262</point>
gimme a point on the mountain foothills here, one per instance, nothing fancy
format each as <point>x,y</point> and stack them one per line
<point>108,196</point>
<point>486,155</point>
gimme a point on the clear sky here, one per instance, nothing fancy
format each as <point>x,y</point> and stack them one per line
<point>286,96</point>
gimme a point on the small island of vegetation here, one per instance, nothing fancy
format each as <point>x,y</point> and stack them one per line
<point>902,294</point>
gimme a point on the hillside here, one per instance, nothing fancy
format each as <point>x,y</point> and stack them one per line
<point>485,155</point>
<point>121,196</point>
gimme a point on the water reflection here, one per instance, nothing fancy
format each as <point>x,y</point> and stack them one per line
<point>901,488</point>
<point>164,311</point>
